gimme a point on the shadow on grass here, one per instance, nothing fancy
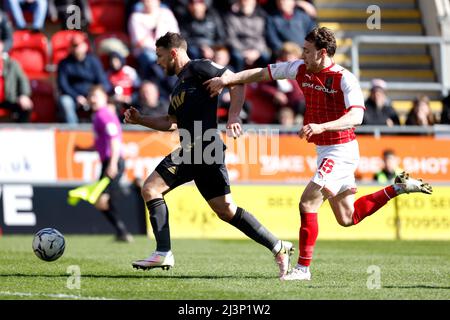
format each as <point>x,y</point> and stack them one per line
<point>141,276</point>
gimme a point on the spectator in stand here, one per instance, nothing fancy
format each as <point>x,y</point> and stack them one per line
<point>202,28</point>
<point>144,28</point>
<point>222,5</point>
<point>37,7</point>
<point>281,93</point>
<point>307,6</point>
<point>222,56</point>
<point>379,110</point>
<point>58,11</point>
<point>150,103</point>
<point>445,115</point>
<point>6,31</point>
<point>178,7</point>
<point>286,117</point>
<point>245,26</point>
<point>76,75</point>
<point>390,168</point>
<point>288,23</point>
<point>421,113</point>
<point>124,80</point>
<point>15,89</point>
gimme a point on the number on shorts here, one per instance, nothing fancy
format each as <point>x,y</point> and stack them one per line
<point>327,165</point>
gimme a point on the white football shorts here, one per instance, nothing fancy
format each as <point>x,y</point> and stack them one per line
<point>336,166</point>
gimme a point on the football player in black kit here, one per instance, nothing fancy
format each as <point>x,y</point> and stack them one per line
<point>201,155</point>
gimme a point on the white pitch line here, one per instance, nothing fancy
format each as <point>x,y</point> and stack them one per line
<point>50,295</point>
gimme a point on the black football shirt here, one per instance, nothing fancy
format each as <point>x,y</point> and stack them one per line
<point>195,110</point>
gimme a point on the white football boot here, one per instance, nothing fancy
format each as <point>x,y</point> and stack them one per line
<point>298,273</point>
<point>406,184</point>
<point>156,260</point>
<point>283,257</point>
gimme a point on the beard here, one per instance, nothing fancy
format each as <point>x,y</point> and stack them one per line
<point>170,69</point>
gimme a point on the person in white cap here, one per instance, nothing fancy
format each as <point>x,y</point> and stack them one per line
<point>379,110</point>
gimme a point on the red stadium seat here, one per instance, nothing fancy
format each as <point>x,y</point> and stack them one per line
<point>5,115</point>
<point>31,51</point>
<point>263,110</point>
<point>60,42</point>
<point>44,101</point>
<point>107,16</point>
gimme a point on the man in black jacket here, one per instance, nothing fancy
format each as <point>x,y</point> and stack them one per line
<point>76,74</point>
<point>379,110</point>
<point>202,28</point>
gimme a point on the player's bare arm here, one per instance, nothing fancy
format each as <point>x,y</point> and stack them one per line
<point>113,167</point>
<point>163,123</point>
<point>215,85</point>
<point>237,93</point>
<point>351,119</point>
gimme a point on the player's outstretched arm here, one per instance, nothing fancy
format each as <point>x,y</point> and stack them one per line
<point>163,123</point>
<point>215,85</point>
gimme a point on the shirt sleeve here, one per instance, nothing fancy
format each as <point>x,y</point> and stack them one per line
<point>206,69</point>
<point>353,95</point>
<point>284,70</point>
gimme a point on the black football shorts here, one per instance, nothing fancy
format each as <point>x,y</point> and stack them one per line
<point>211,179</point>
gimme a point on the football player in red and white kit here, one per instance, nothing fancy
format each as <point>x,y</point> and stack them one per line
<point>334,106</point>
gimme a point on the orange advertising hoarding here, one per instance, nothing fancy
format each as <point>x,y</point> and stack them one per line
<point>256,157</point>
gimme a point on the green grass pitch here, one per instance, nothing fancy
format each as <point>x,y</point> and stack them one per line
<point>225,269</point>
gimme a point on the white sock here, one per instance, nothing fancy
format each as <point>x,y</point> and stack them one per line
<point>163,253</point>
<point>301,267</point>
<point>277,247</point>
<point>398,189</point>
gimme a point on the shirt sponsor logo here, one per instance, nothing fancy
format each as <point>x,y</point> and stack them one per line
<point>318,88</point>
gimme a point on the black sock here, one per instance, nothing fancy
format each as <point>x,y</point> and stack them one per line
<point>159,218</point>
<point>248,224</point>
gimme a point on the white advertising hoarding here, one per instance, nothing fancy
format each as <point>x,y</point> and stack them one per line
<point>27,156</point>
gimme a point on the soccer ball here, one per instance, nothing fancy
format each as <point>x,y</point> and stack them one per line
<point>49,244</point>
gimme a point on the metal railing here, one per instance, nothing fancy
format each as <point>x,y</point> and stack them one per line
<point>435,130</point>
<point>443,10</point>
<point>443,86</point>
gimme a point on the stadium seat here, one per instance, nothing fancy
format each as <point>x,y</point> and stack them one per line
<point>60,43</point>
<point>107,16</point>
<point>31,51</point>
<point>44,101</point>
<point>262,110</point>
<point>4,115</point>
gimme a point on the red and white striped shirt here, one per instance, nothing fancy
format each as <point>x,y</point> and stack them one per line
<point>329,94</point>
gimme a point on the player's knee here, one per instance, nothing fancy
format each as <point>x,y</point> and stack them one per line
<point>223,211</point>
<point>150,192</point>
<point>345,221</point>
<point>306,207</point>
<point>102,203</point>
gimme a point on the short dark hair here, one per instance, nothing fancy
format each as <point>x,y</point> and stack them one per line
<point>388,152</point>
<point>171,40</point>
<point>323,38</point>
